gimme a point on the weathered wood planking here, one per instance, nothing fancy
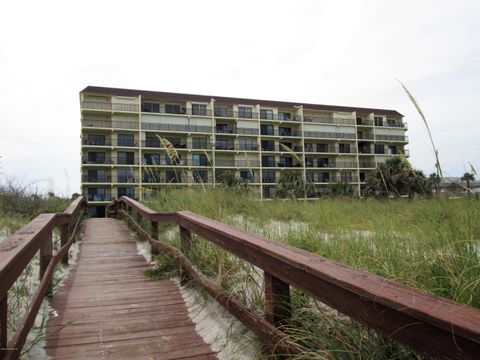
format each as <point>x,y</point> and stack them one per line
<point>108,309</point>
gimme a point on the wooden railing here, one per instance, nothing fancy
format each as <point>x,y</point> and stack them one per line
<point>428,324</point>
<point>16,253</point>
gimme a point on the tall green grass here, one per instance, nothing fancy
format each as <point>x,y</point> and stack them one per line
<point>430,244</point>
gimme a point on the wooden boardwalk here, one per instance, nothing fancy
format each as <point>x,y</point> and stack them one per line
<point>108,309</point>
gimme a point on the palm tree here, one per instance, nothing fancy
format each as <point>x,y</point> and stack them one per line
<point>468,177</point>
<point>292,185</point>
<point>435,181</point>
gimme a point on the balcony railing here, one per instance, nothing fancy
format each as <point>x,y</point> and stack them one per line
<point>176,127</point>
<point>329,135</point>
<point>393,124</point>
<point>125,179</point>
<point>365,136</point>
<point>364,122</point>
<point>96,142</point>
<point>126,143</point>
<point>106,197</point>
<point>328,120</point>
<point>108,106</point>
<point>96,179</point>
<point>236,163</point>
<point>280,117</point>
<point>391,137</point>
<point>366,165</point>
<point>232,146</point>
<point>110,161</point>
<point>268,179</point>
<point>247,131</point>
<point>109,124</point>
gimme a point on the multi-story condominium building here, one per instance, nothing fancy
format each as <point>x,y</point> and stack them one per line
<point>123,147</point>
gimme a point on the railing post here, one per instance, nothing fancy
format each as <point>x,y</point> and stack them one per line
<point>45,254</point>
<point>3,325</point>
<point>185,245</point>
<point>277,300</point>
<point>154,235</point>
<point>64,235</point>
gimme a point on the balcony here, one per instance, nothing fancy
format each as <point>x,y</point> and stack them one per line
<point>224,113</point>
<point>329,135</point>
<point>364,122</point>
<point>237,163</point>
<point>328,120</point>
<point>96,142</point>
<point>399,138</point>
<point>109,124</point>
<point>365,136</point>
<point>93,197</point>
<point>125,180</point>
<point>176,127</point>
<point>126,143</point>
<point>366,165</point>
<point>268,179</point>
<point>110,161</point>
<point>395,124</point>
<point>96,179</point>
<point>108,106</point>
<point>247,131</point>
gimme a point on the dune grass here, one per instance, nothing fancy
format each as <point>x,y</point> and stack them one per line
<point>431,244</point>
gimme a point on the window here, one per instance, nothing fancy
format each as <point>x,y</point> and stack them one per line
<point>125,176</point>
<point>246,175</point>
<point>246,144</point>
<point>221,144</point>
<point>174,161</point>
<point>221,111</point>
<point>173,177</point>
<point>362,177</point>
<point>268,176</point>
<point>359,121</point>
<point>391,122</point>
<point>268,191</point>
<point>308,147</point>
<point>324,177</point>
<point>199,160</point>
<point>125,140</point>
<point>378,121</point>
<point>96,157</point>
<point>152,177</point>
<point>176,142</point>
<point>310,176</point>
<point>268,161</point>
<point>379,149</point>
<point>309,161</point>
<point>322,162</point>
<point>97,194</point>
<point>96,139</point>
<point>266,114</point>
<point>126,191</point>
<point>345,176</point>
<point>96,175</point>
<point>285,161</point>
<point>392,150</point>
<point>284,131</point>
<point>266,129</point>
<point>152,141</point>
<point>223,128</point>
<point>126,158</point>
<point>322,148</point>
<point>173,109</point>
<point>284,116</point>
<point>245,112</point>
<point>150,107</point>
<point>268,145</point>
<point>200,176</point>
<point>199,109</point>
<point>199,143</point>
<point>151,159</point>
<point>344,148</point>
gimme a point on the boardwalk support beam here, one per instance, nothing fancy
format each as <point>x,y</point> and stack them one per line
<point>185,245</point>
<point>277,300</point>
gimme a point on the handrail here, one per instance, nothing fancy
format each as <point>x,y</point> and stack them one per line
<point>16,253</point>
<point>428,324</point>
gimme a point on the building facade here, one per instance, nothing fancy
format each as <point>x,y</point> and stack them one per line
<point>124,132</point>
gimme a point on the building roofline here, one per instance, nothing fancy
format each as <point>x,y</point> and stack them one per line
<point>154,95</point>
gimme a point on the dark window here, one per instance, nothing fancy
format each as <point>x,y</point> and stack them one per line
<point>392,150</point>
<point>96,157</point>
<point>268,176</point>
<point>268,191</point>
<point>266,114</point>
<point>223,128</point>
<point>268,145</point>
<point>151,159</point>
<point>345,176</point>
<point>285,161</point>
<point>126,158</point>
<point>245,112</point>
<point>173,161</point>
<point>322,162</point>
<point>152,177</point>
<point>246,144</point>
<point>96,139</point>
<point>152,141</point>
<point>309,161</point>
<point>200,176</point>
<point>310,176</point>
<point>378,121</point>
<point>284,131</point>
<point>322,147</point>
<point>97,194</point>
<point>173,177</point>
<point>359,121</point>
<point>344,148</point>
<point>246,175</point>
<point>324,177</point>
<point>199,143</point>
<point>221,111</point>
<point>173,109</point>
<point>96,175</point>
<point>126,191</point>
<point>308,147</point>
<point>150,107</point>
<point>391,122</point>
<point>362,177</point>
<point>125,176</point>
<point>199,109</point>
<point>379,149</point>
<point>176,142</point>
<point>199,160</point>
<point>266,129</point>
<point>268,161</point>
<point>284,116</point>
<point>221,144</point>
<point>126,140</point>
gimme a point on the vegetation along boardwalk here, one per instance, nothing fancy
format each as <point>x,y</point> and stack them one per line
<point>108,308</point>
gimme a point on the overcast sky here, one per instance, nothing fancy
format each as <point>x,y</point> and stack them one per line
<point>326,52</point>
